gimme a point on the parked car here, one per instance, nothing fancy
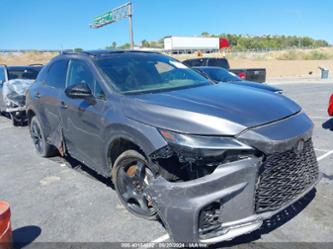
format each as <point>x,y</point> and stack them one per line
<point>212,161</point>
<point>218,74</point>
<point>14,81</point>
<point>330,106</point>
<point>252,74</point>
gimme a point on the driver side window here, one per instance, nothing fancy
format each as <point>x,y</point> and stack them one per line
<point>80,73</point>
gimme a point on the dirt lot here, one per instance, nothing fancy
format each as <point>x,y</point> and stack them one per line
<point>57,200</point>
<point>25,58</point>
<point>285,68</point>
<point>285,63</point>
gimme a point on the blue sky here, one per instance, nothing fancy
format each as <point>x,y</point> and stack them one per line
<point>46,24</point>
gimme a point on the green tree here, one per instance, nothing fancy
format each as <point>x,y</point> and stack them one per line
<point>205,34</point>
<point>125,46</point>
<point>145,44</point>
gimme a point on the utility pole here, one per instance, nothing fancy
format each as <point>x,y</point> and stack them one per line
<point>130,19</point>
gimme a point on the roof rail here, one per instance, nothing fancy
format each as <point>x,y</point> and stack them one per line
<point>104,52</point>
<point>73,52</point>
<point>35,65</point>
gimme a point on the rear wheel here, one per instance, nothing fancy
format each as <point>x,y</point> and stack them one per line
<point>131,176</point>
<point>37,135</point>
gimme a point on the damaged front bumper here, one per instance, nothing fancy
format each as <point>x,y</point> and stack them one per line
<point>238,196</point>
<point>180,205</point>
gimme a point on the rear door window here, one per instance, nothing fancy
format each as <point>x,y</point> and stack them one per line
<point>42,75</point>
<point>56,76</point>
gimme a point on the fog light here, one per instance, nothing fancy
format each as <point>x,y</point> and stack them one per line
<point>210,218</point>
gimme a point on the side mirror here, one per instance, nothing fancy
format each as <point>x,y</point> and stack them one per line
<point>78,91</point>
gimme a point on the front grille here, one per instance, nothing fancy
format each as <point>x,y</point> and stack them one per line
<point>284,176</point>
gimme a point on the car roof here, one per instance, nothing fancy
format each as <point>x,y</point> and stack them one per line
<point>97,53</point>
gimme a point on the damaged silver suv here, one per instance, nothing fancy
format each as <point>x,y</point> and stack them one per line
<point>212,161</point>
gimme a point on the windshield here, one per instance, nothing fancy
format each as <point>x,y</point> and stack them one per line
<point>147,72</point>
<point>24,73</point>
<point>220,74</point>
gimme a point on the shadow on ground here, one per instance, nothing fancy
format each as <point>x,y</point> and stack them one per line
<point>24,236</point>
<point>80,167</point>
<point>273,223</point>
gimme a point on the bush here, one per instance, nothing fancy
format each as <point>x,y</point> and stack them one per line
<point>304,55</point>
<point>289,55</point>
<point>316,55</point>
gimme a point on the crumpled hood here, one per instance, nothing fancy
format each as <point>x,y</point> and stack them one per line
<point>222,109</point>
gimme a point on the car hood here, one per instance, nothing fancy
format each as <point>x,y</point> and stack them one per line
<point>256,85</point>
<point>222,109</point>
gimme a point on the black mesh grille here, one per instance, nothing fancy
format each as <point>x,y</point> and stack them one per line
<point>284,176</point>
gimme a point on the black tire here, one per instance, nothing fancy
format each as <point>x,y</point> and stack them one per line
<point>38,138</point>
<point>130,185</point>
<point>15,120</point>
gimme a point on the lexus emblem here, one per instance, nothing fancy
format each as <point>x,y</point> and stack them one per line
<point>299,147</point>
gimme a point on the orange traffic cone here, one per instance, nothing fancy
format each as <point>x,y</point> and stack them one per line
<point>5,226</point>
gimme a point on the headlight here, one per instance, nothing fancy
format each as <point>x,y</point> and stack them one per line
<point>204,142</point>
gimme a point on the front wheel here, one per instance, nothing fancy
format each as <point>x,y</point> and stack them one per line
<point>17,119</point>
<point>131,176</point>
<point>39,140</point>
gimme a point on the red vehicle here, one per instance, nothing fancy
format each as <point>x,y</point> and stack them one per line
<point>330,106</point>
<point>5,226</point>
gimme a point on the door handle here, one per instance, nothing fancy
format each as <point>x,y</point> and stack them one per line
<point>64,105</point>
<point>37,95</point>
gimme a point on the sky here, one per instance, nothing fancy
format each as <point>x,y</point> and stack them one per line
<point>56,24</point>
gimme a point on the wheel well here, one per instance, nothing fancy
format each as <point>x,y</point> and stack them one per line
<point>30,114</point>
<point>119,146</point>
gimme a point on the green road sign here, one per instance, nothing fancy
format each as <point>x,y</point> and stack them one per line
<point>102,20</point>
<point>112,16</point>
<point>123,11</point>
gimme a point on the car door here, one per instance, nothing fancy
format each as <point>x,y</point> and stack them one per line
<point>83,119</point>
<point>48,95</point>
<point>3,78</point>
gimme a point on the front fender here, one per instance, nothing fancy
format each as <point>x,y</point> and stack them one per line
<point>146,137</point>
